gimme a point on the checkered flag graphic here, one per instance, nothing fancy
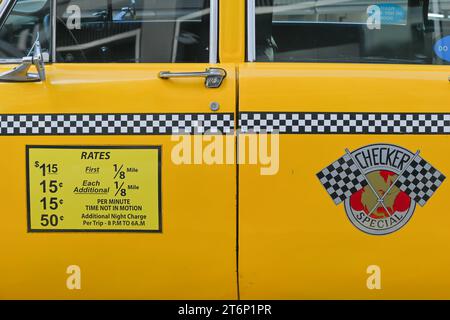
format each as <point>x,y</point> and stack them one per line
<point>342,178</point>
<point>420,180</point>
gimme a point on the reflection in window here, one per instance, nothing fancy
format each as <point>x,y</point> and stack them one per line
<point>132,31</point>
<point>27,19</point>
<point>377,31</point>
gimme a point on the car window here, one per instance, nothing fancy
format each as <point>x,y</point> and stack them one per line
<point>27,20</point>
<point>361,31</point>
<point>132,31</point>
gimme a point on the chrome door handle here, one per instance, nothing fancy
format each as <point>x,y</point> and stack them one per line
<point>213,76</point>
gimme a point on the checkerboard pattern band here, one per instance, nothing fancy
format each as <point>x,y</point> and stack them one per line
<point>420,180</point>
<point>345,123</point>
<point>342,178</point>
<point>116,124</point>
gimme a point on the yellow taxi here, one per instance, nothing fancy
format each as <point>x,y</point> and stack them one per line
<point>224,149</point>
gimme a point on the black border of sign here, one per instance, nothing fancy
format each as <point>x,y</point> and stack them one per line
<point>27,158</point>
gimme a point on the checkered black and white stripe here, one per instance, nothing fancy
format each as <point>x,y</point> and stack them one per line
<point>344,123</point>
<point>116,124</point>
<point>342,178</point>
<point>420,180</point>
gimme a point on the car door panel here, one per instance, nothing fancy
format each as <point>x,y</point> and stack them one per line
<point>193,257</point>
<point>295,243</point>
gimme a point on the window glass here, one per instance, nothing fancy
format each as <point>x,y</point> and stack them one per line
<point>27,19</point>
<point>132,31</point>
<point>377,31</point>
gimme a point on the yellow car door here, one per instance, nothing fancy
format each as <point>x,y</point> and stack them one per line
<point>99,198</point>
<point>358,94</point>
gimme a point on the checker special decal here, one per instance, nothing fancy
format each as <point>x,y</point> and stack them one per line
<point>380,185</point>
<point>116,124</point>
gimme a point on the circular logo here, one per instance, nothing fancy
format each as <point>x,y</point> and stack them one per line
<point>380,207</point>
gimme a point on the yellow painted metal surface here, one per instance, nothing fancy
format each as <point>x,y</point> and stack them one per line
<point>295,243</point>
<point>132,88</point>
<point>232,31</point>
<point>327,87</point>
<point>193,258</point>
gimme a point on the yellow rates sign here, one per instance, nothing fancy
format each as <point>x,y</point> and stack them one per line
<point>115,189</point>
